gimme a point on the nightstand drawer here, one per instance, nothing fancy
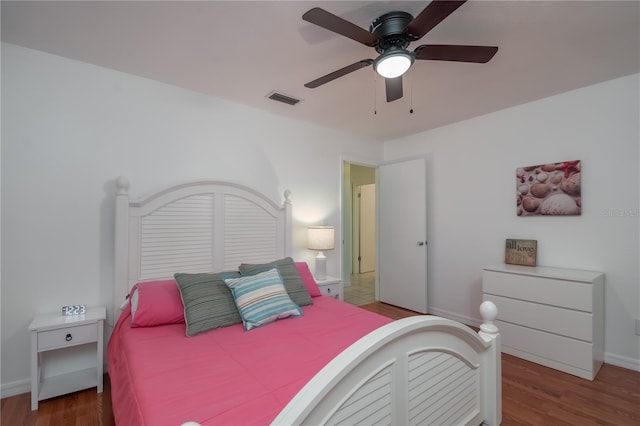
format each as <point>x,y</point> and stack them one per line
<point>70,336</point>
<point>330,290</point>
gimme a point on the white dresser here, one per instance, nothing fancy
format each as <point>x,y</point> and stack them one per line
<point>550,316</point>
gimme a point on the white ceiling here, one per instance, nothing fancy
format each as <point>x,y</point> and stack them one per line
<point>241,51</point>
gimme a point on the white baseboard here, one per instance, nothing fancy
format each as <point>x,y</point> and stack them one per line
<point>621,361</point>
<point>15,388</point>
<point>475,322</point>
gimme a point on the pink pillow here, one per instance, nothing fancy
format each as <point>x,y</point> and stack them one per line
<point>156,303</point>
<point>307,279</point>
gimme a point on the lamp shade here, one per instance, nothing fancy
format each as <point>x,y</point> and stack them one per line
<point>320,237</point>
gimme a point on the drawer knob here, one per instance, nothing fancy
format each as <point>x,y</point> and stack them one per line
<point>329,290</point>
<point>68,337</point>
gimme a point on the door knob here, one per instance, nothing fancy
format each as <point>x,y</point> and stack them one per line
<point>420,243</point>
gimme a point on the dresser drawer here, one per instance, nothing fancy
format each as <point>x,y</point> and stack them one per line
<point>566,322</point>
<point>546,348</point>
<point>70,336</point>
<point>563,293</point>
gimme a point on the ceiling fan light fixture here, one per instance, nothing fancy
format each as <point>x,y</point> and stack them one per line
<point>393,63</point>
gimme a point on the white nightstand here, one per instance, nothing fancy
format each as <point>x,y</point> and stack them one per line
<point>54,331</point>
<point>331,286</point>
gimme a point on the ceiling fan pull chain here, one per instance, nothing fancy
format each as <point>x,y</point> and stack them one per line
<point>411,91</point>
<point>375,94</point>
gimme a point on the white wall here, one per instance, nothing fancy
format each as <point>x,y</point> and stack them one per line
<point>471,197</point>
<point>69,129</point>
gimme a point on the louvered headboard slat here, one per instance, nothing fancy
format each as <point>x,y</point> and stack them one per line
<point>197,227</point>
<point>177,236</point>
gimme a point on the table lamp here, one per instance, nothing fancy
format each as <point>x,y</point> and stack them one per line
<point>320,238</point>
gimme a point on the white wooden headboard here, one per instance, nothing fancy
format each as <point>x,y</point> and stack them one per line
<point>203,226</point>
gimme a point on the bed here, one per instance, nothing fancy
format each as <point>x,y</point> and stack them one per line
<point>178,355</point>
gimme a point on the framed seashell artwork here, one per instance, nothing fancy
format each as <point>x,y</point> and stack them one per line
<point>551,189</point>
<point>521,252</point>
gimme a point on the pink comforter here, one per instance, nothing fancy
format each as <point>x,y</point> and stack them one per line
<point>226,376</point>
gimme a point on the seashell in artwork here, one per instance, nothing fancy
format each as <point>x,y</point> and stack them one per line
<point>540,190</point>
<point>548,167</point>
<point>571,185</point>
<point>530,204</point>
<point>556,178</point>
<point>523,189</point>
<point>559,204</point>
<point>542,177</point>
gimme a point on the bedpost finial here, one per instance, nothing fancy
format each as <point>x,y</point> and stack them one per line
<point>122,185</point>
<point>489,313</point>
<point>287,196</point>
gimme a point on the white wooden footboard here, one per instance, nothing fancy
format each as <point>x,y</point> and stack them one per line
<point>421,370</point>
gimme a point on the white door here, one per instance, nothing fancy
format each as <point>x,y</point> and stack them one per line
<point>402,233</point>
<point>367,228</point>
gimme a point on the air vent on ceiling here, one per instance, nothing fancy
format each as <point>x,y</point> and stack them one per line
<point>282,98</point>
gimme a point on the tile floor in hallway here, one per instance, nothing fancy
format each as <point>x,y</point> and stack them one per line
<point>362,289</point>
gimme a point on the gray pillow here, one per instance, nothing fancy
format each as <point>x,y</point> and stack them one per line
<point>290,276</point>
<point>208,302</point>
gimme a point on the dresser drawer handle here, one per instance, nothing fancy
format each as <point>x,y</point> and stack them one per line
<point>329,290</point>
<point>68,337</point>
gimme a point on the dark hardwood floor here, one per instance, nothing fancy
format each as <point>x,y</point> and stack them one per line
<point>532,395</point>
<point>84,408</point>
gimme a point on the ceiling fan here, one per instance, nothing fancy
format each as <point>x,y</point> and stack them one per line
<point>389,35</point>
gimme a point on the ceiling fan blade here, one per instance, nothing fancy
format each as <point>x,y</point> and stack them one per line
<point>339,73</point>
<point>331,22</point>
<point>393,87</point>
<point>432,15</point>
<point>454,52</point>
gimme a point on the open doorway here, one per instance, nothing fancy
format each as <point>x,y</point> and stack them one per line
<point>364,228</point>
<point>360,234</point>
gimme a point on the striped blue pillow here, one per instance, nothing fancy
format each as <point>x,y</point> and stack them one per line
<point>262,299</point>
